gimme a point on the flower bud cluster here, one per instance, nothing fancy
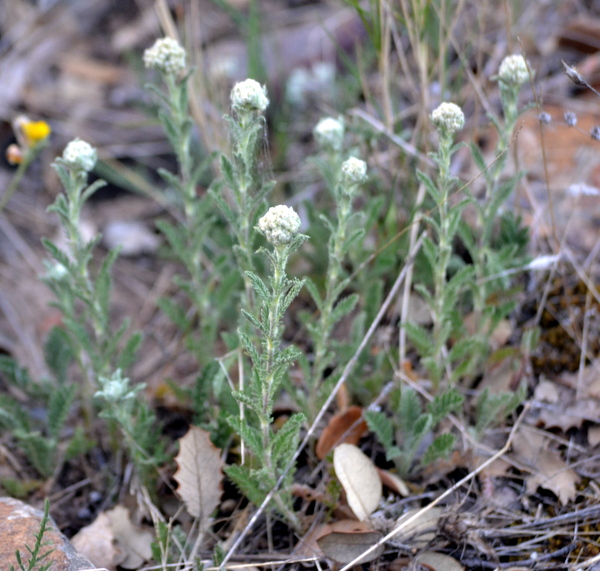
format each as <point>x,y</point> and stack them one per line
<point>329,134</point>
<point>116,388</point>
<point>448,118</point>
<point>513,71</point>
<point>55,271</point>
<point>166,56</point>
<point>79,155</point>
<point>29,134</point>
<point>249,95</point>
<point>354,171</point>
<point>570,118</point>
<point>279,225</point>
<point>544,118</point>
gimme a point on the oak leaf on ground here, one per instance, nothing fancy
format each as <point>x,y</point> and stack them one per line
<point>200,473</point>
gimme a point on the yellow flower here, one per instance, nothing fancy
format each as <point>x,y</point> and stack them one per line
<point>35,131</point>
<point>30,133</point>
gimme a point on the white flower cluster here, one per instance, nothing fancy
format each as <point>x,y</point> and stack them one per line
<point>79,155</point>
<point>329,133</point>
<point>116,388</point>
<point>166,55</point>
<point>448,118</point>
<point>279,225</point>
<point>513,70</point>
<point>354,171</point>
<point>250,95</point>
<point>55,271</point>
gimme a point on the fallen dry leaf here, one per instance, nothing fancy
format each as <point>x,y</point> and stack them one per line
<point>345,426</point>
<point>546,391</point>
<point>502,375</point>
<point>349,526</point>
<point>421,530</point>
<point>308,546</point>
<point>572,400</point>
<point>393,482</point>
<point>199,474</point>
<point>359,478</point>
<point>97,542</point>
<point>344,547</point>
<point>568,411</point>
<point>134,542</point>
<point>438,561</point>
<point>586,383</point>
<point>548,470</point>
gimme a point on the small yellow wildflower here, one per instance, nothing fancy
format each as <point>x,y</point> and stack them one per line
<point>35,131</point>
<point>30,133</point>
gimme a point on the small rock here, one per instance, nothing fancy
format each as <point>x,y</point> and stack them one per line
<point>19,526</point>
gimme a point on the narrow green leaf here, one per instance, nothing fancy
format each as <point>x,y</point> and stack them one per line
<point>379,423</point>
<point>443,404</point>
<point>439,448</point>
<point>420,338</point>
<point>344,307</point>
<point>59,407</point>
<point>430,186</point>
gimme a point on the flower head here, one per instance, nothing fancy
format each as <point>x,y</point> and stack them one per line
<point>79,155</point>
<point>513,71</point>
<point>249,95</point>
<point>544,117</point>
<point>55,271</point>
<point>329,133</point>
<point>166,55</point>
<point>29,133</point>
<point>116,388</point>
<point>570,118</point>
<point>448,118</point>
<point>35,131</point>
<point>354,171</point>
<point>279,225</point>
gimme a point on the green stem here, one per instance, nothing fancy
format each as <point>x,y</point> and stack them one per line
<point>445,252</point>
<point>272,344</point>
<point>334,271</point>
